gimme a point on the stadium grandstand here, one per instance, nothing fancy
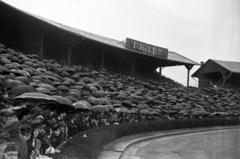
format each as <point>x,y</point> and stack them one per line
<point>59,85</point>
<point>34,34</point>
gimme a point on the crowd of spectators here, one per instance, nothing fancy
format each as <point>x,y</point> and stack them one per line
<point>37,128</point>
<point>227,85</point>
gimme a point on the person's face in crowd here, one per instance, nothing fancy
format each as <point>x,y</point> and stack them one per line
<point>57,132</point>
<point>4,119</point>
<point>50,131</point>
<point>11,155</point>
<point>13,118</point>
<point>62,128</point>
<point>63,114</point>
<point>35,133</point>
<point>27,136</point>
<point>66,129</point>
<point>3,145</point>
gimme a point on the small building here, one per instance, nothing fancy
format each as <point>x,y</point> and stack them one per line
<point>216,72</point>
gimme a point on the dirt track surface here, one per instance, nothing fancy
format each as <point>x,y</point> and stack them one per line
<point>204,145</point>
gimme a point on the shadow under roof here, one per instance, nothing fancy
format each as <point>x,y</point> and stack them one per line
<point>172,56</point>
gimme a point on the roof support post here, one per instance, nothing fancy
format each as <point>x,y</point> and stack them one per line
<point>132,67</point>
<point>160,71</point>
<point>189,67</point>
<point>102,62</point>
<point>71,44</point>
<point>69,52</point>
<point>227,77</point>
<point>41,46</point>
<point>43,32</point>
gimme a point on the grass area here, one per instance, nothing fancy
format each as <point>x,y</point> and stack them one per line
<point>91,146</point>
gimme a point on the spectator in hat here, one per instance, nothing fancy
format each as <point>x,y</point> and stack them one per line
<point>26,129</point>
<point>11,151</point>
<point>34,144</point>
<point>47,147</point>
<point>63,132</point>
<point>55,137</point>
<point>16,137</point>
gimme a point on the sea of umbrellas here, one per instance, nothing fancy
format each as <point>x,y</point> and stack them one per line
<point>28,80</point>
<point>100,97</point>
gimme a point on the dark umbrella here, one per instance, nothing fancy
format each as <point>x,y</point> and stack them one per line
<point>77,87</point>
<point>122,110</point>
<point>132,111</point>
<point>4,69</point>
<point>65,74</point>
<point>75,90</point>
<point>44,91</point>
<point>53,78</point>
<point>99,108</point>
<point>63,100</point>
<point>48,86</point>
<point>71,98</point>
<point>56,83</point>
<point>145,112</point>
<point>110,107</point>
<point>6,112</point>
<point>13,83</point>
<point>35,97</point>
<point>22,89</point>
<point>24,79</point>
<point>11,66</point>
<point>20,72</point>
<point>46,80</point>
<point>63,88</point>
<point>73,94</point>
<point>30,64</point>
<point>84,105</point>
<point>66,83</point>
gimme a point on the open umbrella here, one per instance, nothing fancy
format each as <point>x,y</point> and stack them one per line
<point>20,72</point>
<point>122,110</point>
<point>84,105</point>
<point>24,79</point>
<point>48,86</point>
<point>145,112</point>
<point>73,94</point>
<point>6,112</point>
<point>65,74</point>
<point>99,108</point>
<point>154,113</point>
<point>11,66</point>
<point>110,107</point>
<point>71,98</point>
<point>75,90</point>
<point>63,88</point>
<point>4,69</point>
<point>63,100</point>
<point>22,89</point>
<point>12,83</point>
<point>77,87</point>
<point>35,97</point>
<point>44,91</point>
<point>133,111</point>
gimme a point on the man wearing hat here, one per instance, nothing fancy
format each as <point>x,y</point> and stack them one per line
<point>45,138</point>
<point>11,151</point>
<point>16,137</point>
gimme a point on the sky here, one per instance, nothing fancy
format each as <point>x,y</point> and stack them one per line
<point>197,29</point>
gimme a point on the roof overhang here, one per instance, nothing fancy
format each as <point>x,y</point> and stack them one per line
<point>173,59</point>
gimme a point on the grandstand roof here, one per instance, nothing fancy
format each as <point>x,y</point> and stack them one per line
<point>172,56</point>
<point>230,65</point>
<point>217,66</point>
